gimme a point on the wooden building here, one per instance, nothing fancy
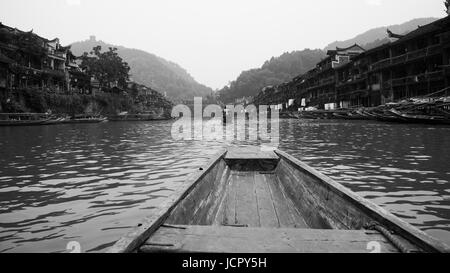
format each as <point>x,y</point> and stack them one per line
<point>31,61</point>
<point>413,65</point>
<point>318,86</point>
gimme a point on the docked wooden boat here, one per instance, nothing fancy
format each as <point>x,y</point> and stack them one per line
<point>387,116</point>
<point>347,116</point>
<point>23,119</point>
<point>442,111</point>
<point>252,201</point>
<point>132,117</point>
<point>54,121</point>
<point>340,115</point>
<point>316,114</point>
<point>20,122</point>
<point>307,115</point>
<point>425,119</point>
<point>367,114</point>
<point>288,115</point>
<point>86,119</point>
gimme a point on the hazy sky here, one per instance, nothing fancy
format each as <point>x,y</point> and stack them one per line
<point>213,39</point>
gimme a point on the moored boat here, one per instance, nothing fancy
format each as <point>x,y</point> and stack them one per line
<point>247,200</point>
<point>387,116</point>
<point>85,119</point>
<point>426,119</point>
<point>53,121</point>
<point>288,115</point>
<point>23,119</point>
<point>133,117</point>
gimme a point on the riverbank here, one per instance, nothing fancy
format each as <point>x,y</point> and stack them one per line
<point>29,100</point>
<point>431,111</point>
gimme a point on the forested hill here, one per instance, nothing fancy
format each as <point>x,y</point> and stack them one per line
<point>275,71</point>
<point>153,71</point>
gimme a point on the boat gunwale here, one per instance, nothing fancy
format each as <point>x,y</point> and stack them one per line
<point>384,217</point>
<point>136,237</point>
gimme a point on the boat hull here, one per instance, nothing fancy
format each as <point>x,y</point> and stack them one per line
<point>22,122</point>
<point>246,193</point>
<point>89,120</point>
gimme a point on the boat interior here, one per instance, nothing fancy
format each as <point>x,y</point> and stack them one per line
<point>253,201</point>
<point>242,191</point>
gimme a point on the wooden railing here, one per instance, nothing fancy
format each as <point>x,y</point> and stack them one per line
<point>430,76</point>
<point>429,51</point>
<point>57,54</point>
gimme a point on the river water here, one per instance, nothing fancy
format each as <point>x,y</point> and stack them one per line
<point>91,183</point>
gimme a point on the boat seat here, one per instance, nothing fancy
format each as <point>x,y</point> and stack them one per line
<point>248,154</point>
<point>233,239</point>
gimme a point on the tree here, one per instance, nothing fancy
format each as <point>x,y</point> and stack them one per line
<point>107,67</point>
<point>134,90</point>
<point>447,6</point>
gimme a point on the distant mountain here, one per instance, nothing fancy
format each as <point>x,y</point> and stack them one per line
<point>275,71</point>
<point>378,36</point>
<point>151,70</point>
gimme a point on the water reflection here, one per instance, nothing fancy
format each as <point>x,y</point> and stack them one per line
<point>92,182</point>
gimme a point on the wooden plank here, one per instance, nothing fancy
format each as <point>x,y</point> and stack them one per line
<point>208,202</point>
<point>266,210</point>
<point>214,239</point>
<point>218,198</point>
<point>138,235</point>
<point>306,198</point>
<point>391,222</point>
<point>288,217</point>
<point>187,210</point>
<point>229,214</point>
<point>246,205</point>
<point>250,153</point>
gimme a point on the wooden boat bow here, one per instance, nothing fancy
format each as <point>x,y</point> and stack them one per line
<point>249,200</point>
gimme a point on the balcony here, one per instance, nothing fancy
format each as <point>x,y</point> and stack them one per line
<point>435,76</point>
<point>8,46</point>
<point>355,93</point>
<point>425,77</point>
<point>446,38</point>
<point>321,83</point>
<point>398,82</point>
<point>417,54</point>
<point>381,64</point>
<point>54,73</point>
<point>421,53</point>
<point>433,50</point>
<point>399,59</point>
<point>353,79</point>
<point>329,80</point>
<point>57,55</point>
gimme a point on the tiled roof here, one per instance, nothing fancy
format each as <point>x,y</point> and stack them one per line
<point>422,30</point>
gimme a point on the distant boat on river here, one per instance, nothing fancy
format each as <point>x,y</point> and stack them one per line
<point>85,118</point>
<point>23,119</point>
<point>125,116</point>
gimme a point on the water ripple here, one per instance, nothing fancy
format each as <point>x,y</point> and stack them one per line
<point>93,182</point>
